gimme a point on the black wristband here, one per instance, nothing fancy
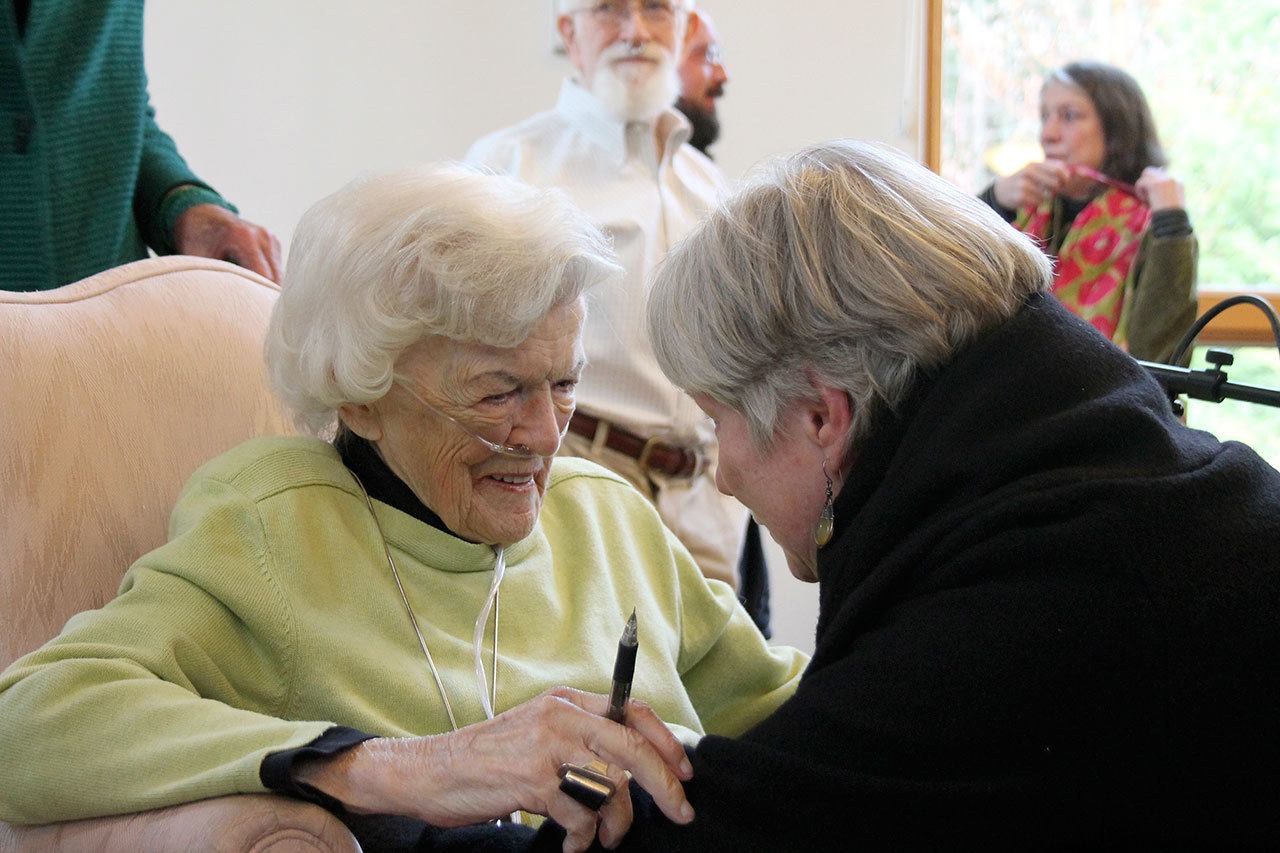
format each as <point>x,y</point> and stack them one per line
<point>278,769</point>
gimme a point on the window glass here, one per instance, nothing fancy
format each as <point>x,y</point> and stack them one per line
<point>1210,69</point>
<point>1255,425</point>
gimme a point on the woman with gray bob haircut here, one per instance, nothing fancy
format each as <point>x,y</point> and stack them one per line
<point>1024,639</point>
<point>861,269</point>
<point>378,623</point>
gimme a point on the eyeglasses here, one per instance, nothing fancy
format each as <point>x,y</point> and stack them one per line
<point>518,451</point>
<point>655,13</point>
<point>713,55</point>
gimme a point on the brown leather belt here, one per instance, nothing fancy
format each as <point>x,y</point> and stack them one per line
<point>653,455</point>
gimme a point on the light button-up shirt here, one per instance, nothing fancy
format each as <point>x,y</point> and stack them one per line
<point>646,189</point>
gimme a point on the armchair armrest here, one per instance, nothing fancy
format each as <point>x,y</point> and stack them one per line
<point>260,823</point>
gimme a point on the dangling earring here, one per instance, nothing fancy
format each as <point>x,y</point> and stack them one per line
<point>827,521</point>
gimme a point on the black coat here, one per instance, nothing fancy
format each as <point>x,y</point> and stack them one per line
<point>1050,615</point>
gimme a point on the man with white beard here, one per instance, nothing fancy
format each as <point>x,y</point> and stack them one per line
<point>616,146</point>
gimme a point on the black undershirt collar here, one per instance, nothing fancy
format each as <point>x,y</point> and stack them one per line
<point>1071,208</point>
<point>382,484</point>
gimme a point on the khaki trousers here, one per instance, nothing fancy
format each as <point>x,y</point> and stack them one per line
<point>709,524</point>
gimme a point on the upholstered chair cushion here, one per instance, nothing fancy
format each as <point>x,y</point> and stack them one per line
<point>115,389</point>
<point>252,823</point>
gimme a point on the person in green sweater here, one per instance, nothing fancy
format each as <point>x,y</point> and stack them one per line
<point>380,623</point>
<point>1103,205</point>
<point>88,180</point>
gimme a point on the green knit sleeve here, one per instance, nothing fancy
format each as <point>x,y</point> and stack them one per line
<point>166,187</point>
<point>1160,301</point>
<point>167,694</point>
<point>733,676</point>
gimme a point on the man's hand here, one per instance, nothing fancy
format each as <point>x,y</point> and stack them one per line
<point>209,231</point>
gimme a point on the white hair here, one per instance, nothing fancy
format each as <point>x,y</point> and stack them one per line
<point>846,261</point>
<point>568,7</point>
<point>622,100</point>
<point>387,261</point>
<point>628,98</point>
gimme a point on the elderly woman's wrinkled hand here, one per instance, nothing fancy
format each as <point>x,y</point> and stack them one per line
<point>1032,184</point>
<point>526,746</point>
<point>511,763</point>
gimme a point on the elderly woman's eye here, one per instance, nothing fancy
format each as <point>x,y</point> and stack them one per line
<point>500,397</point>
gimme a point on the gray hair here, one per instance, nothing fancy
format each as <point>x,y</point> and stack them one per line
<point>846,260</point>
<point>387,261</point>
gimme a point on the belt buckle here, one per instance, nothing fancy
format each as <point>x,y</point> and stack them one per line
<point>699,463</point>
<point>645,452</point>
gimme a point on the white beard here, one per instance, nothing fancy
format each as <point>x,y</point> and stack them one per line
<point>636,93</point>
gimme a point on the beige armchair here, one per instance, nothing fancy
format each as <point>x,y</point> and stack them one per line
<point>115,389</point>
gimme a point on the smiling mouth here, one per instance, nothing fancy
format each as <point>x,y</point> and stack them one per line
<point>512,479</point>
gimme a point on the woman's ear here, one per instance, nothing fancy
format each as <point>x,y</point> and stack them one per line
<point>362,419</point>
<point>828,417</point>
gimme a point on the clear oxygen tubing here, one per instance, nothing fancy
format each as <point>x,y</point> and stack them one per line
<point>491,604</point>
<point>489,692</point>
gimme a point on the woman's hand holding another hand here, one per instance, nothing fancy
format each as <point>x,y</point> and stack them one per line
<point>512,762</point>
<point>1160,190</point>
<point>1031,184</point>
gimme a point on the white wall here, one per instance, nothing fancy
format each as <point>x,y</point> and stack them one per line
<point>278,102</point>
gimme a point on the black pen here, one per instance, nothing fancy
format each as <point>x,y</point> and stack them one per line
<point>624,669</point>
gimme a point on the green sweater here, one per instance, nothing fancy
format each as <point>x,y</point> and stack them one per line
<point>84,169</point>
<point>271,615</point>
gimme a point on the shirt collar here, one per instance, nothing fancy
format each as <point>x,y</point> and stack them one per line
<point>583,110</point>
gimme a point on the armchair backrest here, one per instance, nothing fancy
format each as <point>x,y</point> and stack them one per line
<point>113,390</point>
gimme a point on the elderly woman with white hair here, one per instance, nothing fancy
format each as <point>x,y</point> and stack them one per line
<point>1048,610</point>
<point>375,623</point>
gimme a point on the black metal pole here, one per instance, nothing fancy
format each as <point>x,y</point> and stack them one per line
<point>1211,385</point>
